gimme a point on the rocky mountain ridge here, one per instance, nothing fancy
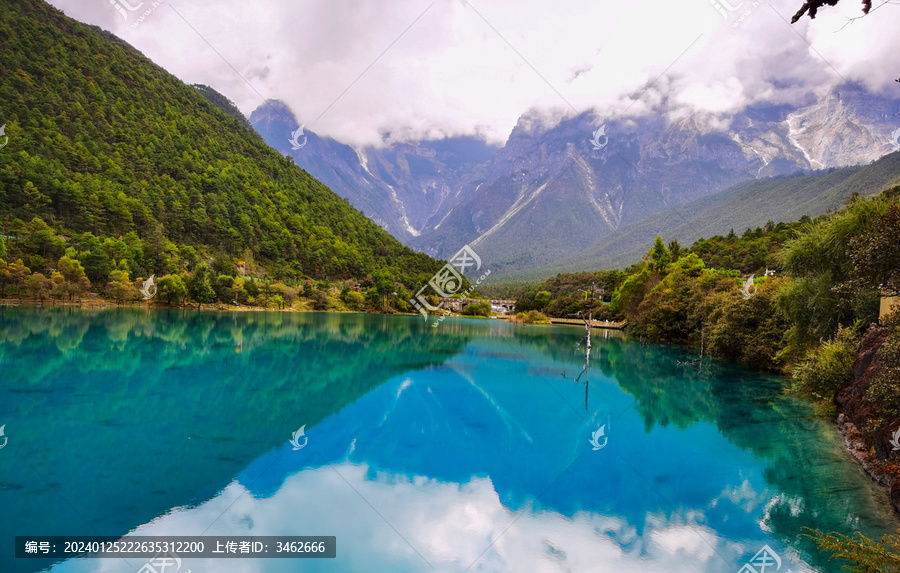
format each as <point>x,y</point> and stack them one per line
<point>554,189</point>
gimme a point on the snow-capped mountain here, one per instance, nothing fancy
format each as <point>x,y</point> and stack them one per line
<point>555,189</point>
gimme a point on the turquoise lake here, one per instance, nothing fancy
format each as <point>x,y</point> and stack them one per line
<point>464,447</point>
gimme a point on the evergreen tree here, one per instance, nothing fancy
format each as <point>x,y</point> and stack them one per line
<point>660,256</point>
<point>201,289</point>
<point>675,250</point>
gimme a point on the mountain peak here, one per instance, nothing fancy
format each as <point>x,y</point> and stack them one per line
<point>554,188</point>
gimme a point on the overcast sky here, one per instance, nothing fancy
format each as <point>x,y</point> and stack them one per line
<point>357,70</point>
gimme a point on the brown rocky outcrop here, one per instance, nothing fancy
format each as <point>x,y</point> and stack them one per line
<point>869,447</point>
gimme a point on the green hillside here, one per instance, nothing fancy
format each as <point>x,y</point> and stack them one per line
<point>103,141</point>
<point>748,205</point>
<point>223,103</point>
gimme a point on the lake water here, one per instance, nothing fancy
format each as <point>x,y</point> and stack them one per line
<point>461,447</point>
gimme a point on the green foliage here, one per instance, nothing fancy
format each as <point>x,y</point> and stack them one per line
<point>105,144</point>
<point>748,330</point>
<point>240,292</point>
<point>354,300</point>
<point>675,250</point>
<point>876,253</point>
<point>224,104</point>
<point>530,317</point>
<point>57,285</point>
<point>566,296</point>
<point>172,289</point>
<point>659,256</point>
<point>119,287</point>
<point>828,273</point>
<point>863,554</point>
<point>674,309</point>
<point>320,299</point>
<point>477,309</point>
<point>38,286</point>
<point>630,294</point>
<point>823,293</point>
<point>13,276</point>
<point>287,294</point>
<point>827,368</point>
<point>200,286</point>
<point>384,286</point>
<point>224,288</point>
<point>885,387</point>
<point>541,300</point>
<point>95,260</point>
<point>752,252</point>
<point>75,282</point>
<point>251,287</point>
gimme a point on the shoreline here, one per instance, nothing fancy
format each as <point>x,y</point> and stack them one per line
<point>94,304</point>
<point>869,446</point>
<point>856,446</point>
<point>99,303</point>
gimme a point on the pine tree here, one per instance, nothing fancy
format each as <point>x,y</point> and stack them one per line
<point>201,289</point>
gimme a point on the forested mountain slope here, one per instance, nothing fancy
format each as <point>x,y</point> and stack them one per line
<point>102,140</point>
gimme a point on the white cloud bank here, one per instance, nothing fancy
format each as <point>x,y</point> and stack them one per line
<point>358,70</point>
<point>449,525</point>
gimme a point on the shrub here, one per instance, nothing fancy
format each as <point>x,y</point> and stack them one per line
<point>224,287</point>
<point>827,368</point>
<point>240,292</point>
<point>354,300</point>
<point>749,330</point>
<point>287,295</point>
<point>477,309</point>
<point>530,317</point>
<point>319,300</point>
<point>885,387</point>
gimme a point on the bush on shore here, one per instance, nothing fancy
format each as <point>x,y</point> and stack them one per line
<point>530,317</point>
<point>827,368</point>
<point>477,309</point>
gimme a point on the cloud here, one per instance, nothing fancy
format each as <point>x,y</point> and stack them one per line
<point>404,522</point>
<point>364,72</point>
